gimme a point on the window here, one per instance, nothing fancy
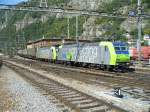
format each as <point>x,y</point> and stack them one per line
<point>124,48</point>
<point>117,48</point>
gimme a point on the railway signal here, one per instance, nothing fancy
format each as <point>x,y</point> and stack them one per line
<point>43,4</point>
<point>117,92</point>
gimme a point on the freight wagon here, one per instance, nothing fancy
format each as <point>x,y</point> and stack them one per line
<point>46,54</point>
<point>145,53</point>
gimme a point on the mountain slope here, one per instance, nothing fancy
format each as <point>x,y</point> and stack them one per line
<point>24,26</point>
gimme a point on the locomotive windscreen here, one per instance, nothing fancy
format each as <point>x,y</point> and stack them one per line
<point>121,47</point>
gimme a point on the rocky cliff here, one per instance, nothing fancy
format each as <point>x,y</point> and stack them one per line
<point>33,25</point>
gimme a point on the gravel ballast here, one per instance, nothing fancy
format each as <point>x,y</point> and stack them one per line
<point>127,103</point>
<point>17,95</point>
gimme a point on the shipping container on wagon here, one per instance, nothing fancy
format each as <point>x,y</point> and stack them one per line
<point>31,53</point>
<point>24,52</point>
<point>20,52</point>
<point>145,52</point>
<point>43,53</point>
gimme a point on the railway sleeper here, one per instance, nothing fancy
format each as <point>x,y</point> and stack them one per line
<point>49,85</point>
<point>56,88</point>
<point>52,84</point>
<point>83,101</point>
<point>72,96</point>
<point>63,90</point>
<point>103,108</point>
<point>53,90</point>
<point>67,94</point>
<point>87,105</point>
<point>60,92</point>
<point>76,99</point>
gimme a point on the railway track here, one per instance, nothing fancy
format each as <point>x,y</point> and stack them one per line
<point>75,101</point>
<point>137,76</point>
<point>92,71</point>
<point>134,84</point>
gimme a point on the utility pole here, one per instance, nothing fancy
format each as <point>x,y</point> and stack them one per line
<point>6,22</point>
<point>9,43</point>
<point>85,27</point>
<point>6,17</point>
<point>17,42</point>
<point>139,20</point>
<point>23,35</point>
<point>68,21</point>
<point>77,39</point>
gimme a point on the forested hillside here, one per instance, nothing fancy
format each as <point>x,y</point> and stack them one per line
<point>24,26</point>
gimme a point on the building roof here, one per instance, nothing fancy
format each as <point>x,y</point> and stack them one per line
<point>54,40</point>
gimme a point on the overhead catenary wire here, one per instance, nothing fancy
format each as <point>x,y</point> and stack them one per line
<point>58,10</point>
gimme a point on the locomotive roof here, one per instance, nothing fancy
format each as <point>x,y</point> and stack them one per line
<point>120,43</point>
<point>81,43</point>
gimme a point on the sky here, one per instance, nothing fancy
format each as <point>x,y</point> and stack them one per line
<point>11,2</point>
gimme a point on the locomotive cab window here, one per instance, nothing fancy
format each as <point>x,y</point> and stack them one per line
<point>121,48</point>
<point>117,48</point>
<point>124,48</point>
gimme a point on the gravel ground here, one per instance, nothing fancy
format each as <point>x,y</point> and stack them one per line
<point>17,95</point>
<point>127,103</point>
<point>130,104</point>
<point>6,102</point>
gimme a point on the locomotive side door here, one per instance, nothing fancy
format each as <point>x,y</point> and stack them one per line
<point>106,55</point>
<point>102,54</point>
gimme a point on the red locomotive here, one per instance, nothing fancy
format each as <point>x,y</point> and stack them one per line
<point>145,52</point>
